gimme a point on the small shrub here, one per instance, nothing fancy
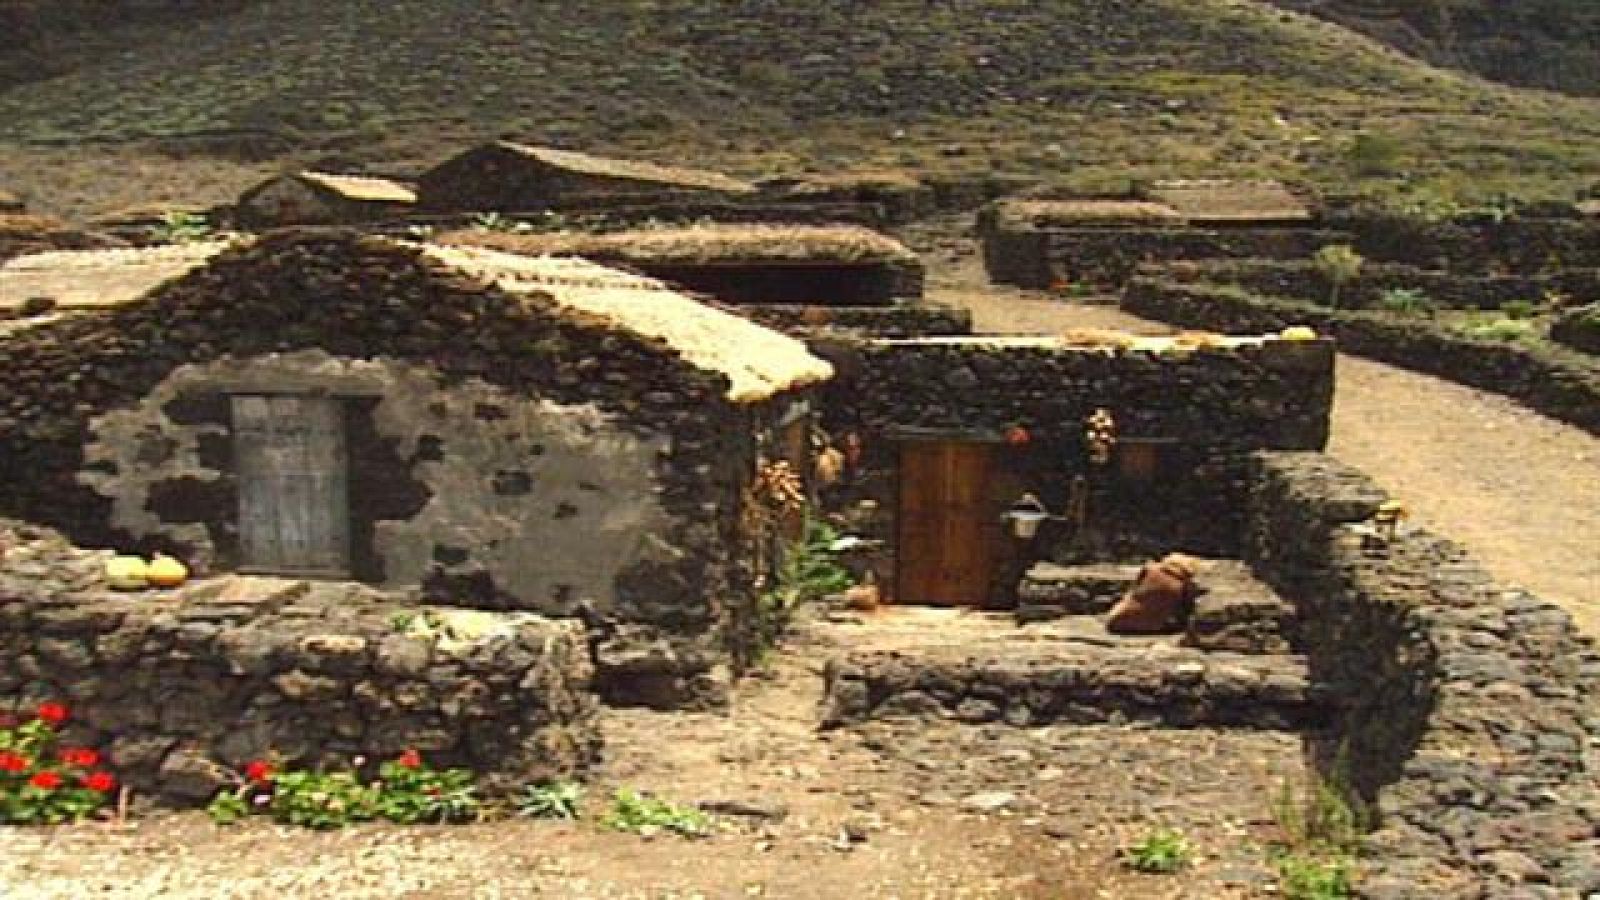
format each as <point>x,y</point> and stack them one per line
<point>1310,878</point>
<point>1519,309</point>
<point>553,800</point>
<point>1159,852</point>
<point>179,227</point>
<point>1498,329</point>
<point>42,783</point>
<point>640,814</point>
<point>810,571</point>
<point>1338,264</point>
<point>493,221</point>
<point>1407,302</point>
<point>1372,154</point>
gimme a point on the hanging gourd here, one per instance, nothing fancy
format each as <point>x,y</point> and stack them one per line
<point>166,572</point>
<point>127,573</point>
<point>1297,333</point>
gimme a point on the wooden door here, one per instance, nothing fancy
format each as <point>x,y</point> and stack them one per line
<point>293,489</point>
<point>945,552</point>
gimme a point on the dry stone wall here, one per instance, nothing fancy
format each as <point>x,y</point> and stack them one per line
<point>1465,709</point>
<point>1563,385</point>
<point>180,687</point>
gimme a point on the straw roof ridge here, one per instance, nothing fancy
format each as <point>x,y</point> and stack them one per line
<point>636,170</point>
<point>99,278</point>
<point>1046,213</point>
<point>1218,199</point>
<point>722,242</point>
<point>757,361</point>
<point>361,187</point>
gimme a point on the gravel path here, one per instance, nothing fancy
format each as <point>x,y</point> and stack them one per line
<point>1517,489</point>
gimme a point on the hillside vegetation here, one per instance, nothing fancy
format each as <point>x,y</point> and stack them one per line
<point>1537,43</point>
<point>1081,92</point>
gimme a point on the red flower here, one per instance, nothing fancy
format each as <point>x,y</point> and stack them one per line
<point>410,759</point>
<point>51,713</point>
<point>1017,436</point>
<point>48,781</point>
<point>258,771</point>
<point>104,782</point>
<point>13,762</point>
<point>80,756</point>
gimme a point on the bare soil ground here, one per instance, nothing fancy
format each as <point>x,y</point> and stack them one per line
<point>889,810</point>
<point>1519,490</point>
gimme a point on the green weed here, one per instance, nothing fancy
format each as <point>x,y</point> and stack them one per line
<point>644,815</point>
<point>1161,851</point>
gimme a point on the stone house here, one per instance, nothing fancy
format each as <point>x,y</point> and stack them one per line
<point>821,265</point>
<point>320,198</point>
<point>493,431</point>
<point>508,177</point>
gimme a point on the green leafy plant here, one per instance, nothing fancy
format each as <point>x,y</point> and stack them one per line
<point>407,791</point>
<point>1310,878</point>
<point>1519,309</point>
<point>809,572</point>
<point>551,800</point>
<point>42,782</point>
<point>644,815</point>
<point>1320,821</point>
<point>1499,328</point>
<point>1407,302</point>
<point>1338,264</point>
<point>1159,852</point>
<point>179,227</point>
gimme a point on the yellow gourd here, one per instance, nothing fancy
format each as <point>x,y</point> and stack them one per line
<point>166,572</point>
<point>1297,333</point>
<point>127,573</point>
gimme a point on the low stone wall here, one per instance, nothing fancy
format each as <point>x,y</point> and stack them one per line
<point>1579,328</point>
<point>1299,279</point>
<point>1565,386</point>
<point>1479,244</point>
<point>1108,257</point>
<point>899,321</point>
<point>1161,686</point>
<point>180,686</point>
<point>1466,710</point>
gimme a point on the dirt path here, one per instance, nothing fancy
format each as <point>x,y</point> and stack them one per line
<point>1517,489</point>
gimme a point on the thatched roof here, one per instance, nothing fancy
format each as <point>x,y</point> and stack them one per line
<point>703,244</point>
<point>1088,213</point>
<point>11,203</point>
<point>84,279</point>
<point>358,187</point>
<point>1589,207</point>
<point>630,170</point>
<point>1230,201</point>
<point>757,361</point>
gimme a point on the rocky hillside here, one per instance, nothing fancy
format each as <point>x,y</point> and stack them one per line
<point>1535,43</point>
<point>1086,92</point>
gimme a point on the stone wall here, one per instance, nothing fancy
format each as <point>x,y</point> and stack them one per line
<point>1579,328</point>
<point>360,299</point>
<point>181,686</point>
<point>1464,709</point>
<point>1517,244</point>
<point>1299,279</point>
<point>1107,257</point>
<point>1214,406</point>
<point>1563,385</point>
<point>489,498</point>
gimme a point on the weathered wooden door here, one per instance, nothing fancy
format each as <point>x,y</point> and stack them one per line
<point>945,551</point>
<point>293,489</point>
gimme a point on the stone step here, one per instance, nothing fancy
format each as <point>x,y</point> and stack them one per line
<point>1236,611</point>
<point>1075,682</point>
